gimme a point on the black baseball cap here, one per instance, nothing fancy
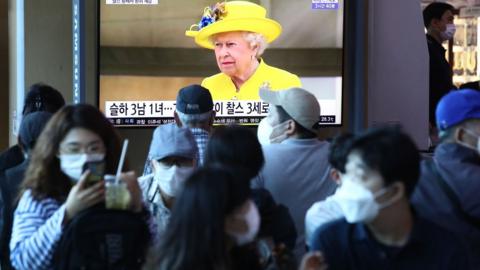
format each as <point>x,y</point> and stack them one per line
<point>194,99</point>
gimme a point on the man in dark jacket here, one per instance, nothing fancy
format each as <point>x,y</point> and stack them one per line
<point>438,20</point>
<point>447,192</point>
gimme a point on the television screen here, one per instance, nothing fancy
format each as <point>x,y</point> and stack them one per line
<point>145,57</point>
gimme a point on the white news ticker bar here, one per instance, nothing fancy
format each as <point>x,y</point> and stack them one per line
<point>147,108</point>
<point>132,2</point>
<point>243,108</point>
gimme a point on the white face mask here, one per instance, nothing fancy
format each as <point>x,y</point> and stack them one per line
<point>267,134</point>
<point>358,204</point>
<point>449,32</point>
<point>72,164</point>
<point>474,134</point>
<point>252,219</point>
<point>264,131</point>
<point>171,179</point>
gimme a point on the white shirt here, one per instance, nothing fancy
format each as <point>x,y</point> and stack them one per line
<point>319,214</point>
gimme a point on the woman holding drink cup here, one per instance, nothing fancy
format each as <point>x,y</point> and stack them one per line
<point>58,185</point>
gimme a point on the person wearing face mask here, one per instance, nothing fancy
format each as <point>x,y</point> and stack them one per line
<point>277,229</point>
<point>193,110</point>
<point>448,189</point>
<point>380,229</point>
<point>212,224</point>
<point>327,210</point>
<point>55,190</point>
<point>173,160</point>
<point>296,170</point>
<point>438,20</point>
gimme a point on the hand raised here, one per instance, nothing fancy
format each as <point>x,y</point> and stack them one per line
<point>130,179</point>
<point>82,196</point>
<point>313,261</point>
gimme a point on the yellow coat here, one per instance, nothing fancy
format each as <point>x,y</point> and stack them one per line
<point>222,88</point>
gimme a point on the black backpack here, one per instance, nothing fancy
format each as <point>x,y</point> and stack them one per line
<point>105,239</point>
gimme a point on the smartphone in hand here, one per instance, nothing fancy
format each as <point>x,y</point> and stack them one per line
<point>97,171</point>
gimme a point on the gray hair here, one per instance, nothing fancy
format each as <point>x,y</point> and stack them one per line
<point>448,134</point>
<point>253,39</point>
<point>256,39</point>
<point>194,119</point>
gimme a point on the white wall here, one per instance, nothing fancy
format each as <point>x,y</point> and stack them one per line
<point>4,76</point>
<point>47,47</point>
<point>398,67</point>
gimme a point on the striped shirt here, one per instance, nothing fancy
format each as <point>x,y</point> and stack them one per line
<point>201,137</point>
<point>37,229</point>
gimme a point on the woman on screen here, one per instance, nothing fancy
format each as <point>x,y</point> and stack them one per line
<point>239,33</point>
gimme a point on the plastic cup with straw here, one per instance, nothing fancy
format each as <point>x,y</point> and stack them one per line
<point>122,160</point>
<point>116,192</point>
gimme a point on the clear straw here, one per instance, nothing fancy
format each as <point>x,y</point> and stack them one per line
<point>122,159</point>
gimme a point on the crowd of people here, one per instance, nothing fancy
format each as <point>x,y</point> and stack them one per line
<point>360,201</point>
<point>225,197</point>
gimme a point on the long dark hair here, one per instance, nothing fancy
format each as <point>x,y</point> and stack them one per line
<point>43,176</point>
<point>195,237</point>
<point>235,146</point>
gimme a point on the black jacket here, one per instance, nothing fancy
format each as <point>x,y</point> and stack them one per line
<point>459,168</point>
<point>276,221</point>
<point>440,75</point>
<point>10,182</point>
<point>11,158</point>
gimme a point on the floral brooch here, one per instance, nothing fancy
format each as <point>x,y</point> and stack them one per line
<point>211,14</point>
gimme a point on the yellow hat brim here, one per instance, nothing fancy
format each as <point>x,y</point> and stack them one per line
<point>270,29</point>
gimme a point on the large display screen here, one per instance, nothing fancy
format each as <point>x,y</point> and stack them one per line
<point>145,57</point>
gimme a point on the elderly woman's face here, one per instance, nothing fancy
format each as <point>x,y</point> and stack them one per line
<point>233,53</point>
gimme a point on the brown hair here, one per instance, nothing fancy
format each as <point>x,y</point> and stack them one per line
<point>44,177</point>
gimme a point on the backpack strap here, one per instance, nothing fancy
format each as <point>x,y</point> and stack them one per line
<point>454,200</point>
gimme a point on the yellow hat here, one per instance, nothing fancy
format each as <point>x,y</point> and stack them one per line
<point>233,16</point>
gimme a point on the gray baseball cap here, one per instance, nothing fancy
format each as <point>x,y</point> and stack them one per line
<point>173,141</point>
<point>300,104</point>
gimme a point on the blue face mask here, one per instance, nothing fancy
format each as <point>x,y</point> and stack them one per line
<point>449,32</point>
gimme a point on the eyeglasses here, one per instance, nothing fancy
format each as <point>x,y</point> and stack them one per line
<point>76,148</point>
